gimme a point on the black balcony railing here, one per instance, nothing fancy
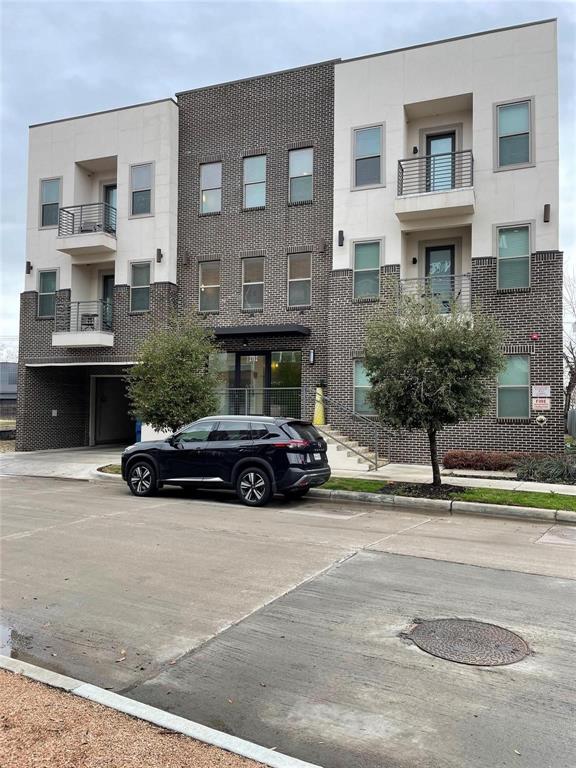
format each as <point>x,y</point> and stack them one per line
<point>435,173</point>
<point>445,290</point>
<point>87,219</point>
<point>80,316</point>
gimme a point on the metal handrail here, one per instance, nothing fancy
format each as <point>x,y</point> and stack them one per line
<point>85,316</point>
<point>435,173</point>
<point>87,219</point>
<point>444,289</point>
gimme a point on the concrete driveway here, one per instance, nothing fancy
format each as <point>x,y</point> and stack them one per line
<point>183,600</point>
<point>72,463</point>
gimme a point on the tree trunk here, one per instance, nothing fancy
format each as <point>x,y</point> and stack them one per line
<point>436,479</point>
<point>568,398</point>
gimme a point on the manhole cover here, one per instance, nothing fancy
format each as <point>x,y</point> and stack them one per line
<point>469,642</point>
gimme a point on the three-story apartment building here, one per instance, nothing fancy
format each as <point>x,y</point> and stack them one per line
<point>284,211</point>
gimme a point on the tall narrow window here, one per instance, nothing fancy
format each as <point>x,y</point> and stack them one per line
<point>514,257</point>
<point>253,283</point>
<point>299,279</point>
<point>367,270</point>
<point>514,388</point>
<point>47,293</point>
<point>140,287</point>
<point>209,274</point>
<point>141,189</point>
<point>300,171</point>
<point>254,182</point>
<point>211,188</point>
<point>49,202</point>
<point>514,139</point>
<point>368,156</point>
<point>361,389</point>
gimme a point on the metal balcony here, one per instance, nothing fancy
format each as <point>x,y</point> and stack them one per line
<point>87,229</point>
<point>83,324</point>
<point>445,290</point>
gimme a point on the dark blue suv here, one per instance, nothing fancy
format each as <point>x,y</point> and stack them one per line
<point>256,455</point>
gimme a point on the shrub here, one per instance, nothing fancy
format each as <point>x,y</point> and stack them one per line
<point>548,469</point>
<point>484,460</point>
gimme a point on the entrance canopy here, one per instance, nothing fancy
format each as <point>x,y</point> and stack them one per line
<point>262,330</point>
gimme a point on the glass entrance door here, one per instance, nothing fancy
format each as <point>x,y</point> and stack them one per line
<point>252,377</point>
<point>440,274</point>
<point>110,208</point>
<point>107,294</point>
<point>440,150</point>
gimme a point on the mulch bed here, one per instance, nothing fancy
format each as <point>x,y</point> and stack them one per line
<point>422,490</point>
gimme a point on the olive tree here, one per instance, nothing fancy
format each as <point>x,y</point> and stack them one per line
<point>172,383</point>
<point>430,368</point>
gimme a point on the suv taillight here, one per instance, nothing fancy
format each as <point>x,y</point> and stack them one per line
<point>292,444</point>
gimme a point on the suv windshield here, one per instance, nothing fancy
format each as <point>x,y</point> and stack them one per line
<point>301,431</point>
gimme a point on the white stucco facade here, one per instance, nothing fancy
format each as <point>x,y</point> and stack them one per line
<point>86,153</point>
<point>453,85</point>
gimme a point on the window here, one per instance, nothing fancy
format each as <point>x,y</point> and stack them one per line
<point>253,283</point>
<point>367,270</point>
<point>49,202</point>
<point>514,257</point>
<point>209,280</point>
<point>211,188</point>
<point>368,156</point>
<point>254,182</point>
<point>299,279</point>
<point>232,430</point>
<point>514,388</point>
<point>361,389</point>
<point>140,287</point>
<point>300,171</point>
<point>514,134</point>
<point>141,189</point>
<point>47,293</point>
<point>196,433</point>
<point>260,431</point>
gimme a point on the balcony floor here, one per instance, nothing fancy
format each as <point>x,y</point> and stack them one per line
<point>82,339</point>
<point>428,205</point>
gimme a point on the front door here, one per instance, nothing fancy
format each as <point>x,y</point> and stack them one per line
<point>252,378</point>
<point>440,274</point>
<point>110,207</point>
<point>440,150</point>
<point>107,294</point>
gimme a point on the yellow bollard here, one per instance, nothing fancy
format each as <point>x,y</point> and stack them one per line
<point>319,415</point>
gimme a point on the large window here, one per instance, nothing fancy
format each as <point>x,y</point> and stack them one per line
<point>47,293</point>
<point>367,270</point>
<point>211,188</point>
<point>300,171</point>
<point>140,287</point>
<point>514,388</point>
<point>254,182</point>
<point>361,389</point>
<point>196,433</point>
<point>514,134</point>
<point>49,202</point>
<point>299,279</point>
<point>232,431</point>
<point>514,257</point>
<point>141,189</point>
<point>253,283</point>
<point>368,156</point>
<point>209,280</point>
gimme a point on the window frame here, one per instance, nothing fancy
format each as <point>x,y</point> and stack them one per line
<point>209,285</point>
<point>132,264</point>
<point>380,241</point>
<point>59,179</point>
<point>496,135</point>
<point>208,189</point>
<point>496,251</point>
<point>246,184</point>
<point>152,188</point>
<point>298,280</point>
<point>355,362</point>
<point>310,200</point>
<point>262,282</point>
<point>56,271</point>
<point>516,386</point>
<point>382,183</point>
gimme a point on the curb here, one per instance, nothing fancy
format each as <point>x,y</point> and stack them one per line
<point>154,715</point>
<point>425,505</point>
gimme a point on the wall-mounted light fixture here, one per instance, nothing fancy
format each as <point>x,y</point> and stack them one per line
<point>414,260</point>
<point>414,150</point>
<point>159,255</point>
<point>340,237</point>
<point>28,267</point>
<point>547,213</point>
<point>311,357</point>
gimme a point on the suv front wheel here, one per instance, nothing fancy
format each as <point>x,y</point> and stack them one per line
<point>254,487</point>
<point>142,479</point>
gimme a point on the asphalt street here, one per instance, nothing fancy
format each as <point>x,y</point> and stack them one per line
<point>283,625</point>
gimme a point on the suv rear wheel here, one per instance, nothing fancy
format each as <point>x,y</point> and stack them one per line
<point>254,487</point>
<point>142,479</point>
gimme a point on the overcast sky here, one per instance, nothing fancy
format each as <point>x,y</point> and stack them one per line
<point>67,58</point>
